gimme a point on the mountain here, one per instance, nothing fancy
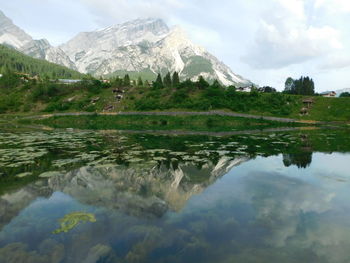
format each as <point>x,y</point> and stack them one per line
<point>144,47</point>
<point>11,35</point>
<point>147,46</point>
<point>19,62</point>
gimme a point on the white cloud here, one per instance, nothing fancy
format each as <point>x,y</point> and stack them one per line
<point>285,37</point>
<point>111,12</point>
<point>337,61</point>
<point>334,6</point>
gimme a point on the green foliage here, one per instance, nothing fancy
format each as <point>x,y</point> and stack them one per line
<point>175,79</point>
<point>344,95</point>
<point>126,81</point>
<point>267,89</point>
<point>139,82</point>
<point>202,83</point>
<point>158,84</point>
<point>15,61</point>
<point>167,80</point>
<point>203,96</point>
<point>288,85</point>
<point>302,86</point>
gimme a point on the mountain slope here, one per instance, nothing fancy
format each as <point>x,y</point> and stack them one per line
<point>142,46</point>
<point>145,45</point>
<point>11,35</point>
<point>18,62</point>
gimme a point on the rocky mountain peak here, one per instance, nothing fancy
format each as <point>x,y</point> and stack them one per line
<point>138,46</point>
<point>12,35</point>
<point>153,25</point>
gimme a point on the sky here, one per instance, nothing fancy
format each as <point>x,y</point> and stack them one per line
<point>263,41</point>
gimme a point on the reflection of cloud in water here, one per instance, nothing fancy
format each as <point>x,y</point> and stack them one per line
<point>280,203</point>
<point>247,216</point>
<point>49,251</point>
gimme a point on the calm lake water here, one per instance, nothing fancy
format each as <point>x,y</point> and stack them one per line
<point>106,196</point>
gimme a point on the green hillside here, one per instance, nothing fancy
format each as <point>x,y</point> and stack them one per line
<point>121,94</point>
<point>12,60</point>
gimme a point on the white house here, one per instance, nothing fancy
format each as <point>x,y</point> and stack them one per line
<point>244,89</point>
<point>69,81</point>
<point>329,94</point>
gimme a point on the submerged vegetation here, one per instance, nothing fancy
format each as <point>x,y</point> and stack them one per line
<point>27,156</point>
<point>69,221</point>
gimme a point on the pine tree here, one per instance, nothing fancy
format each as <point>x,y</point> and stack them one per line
<point>176,79</point>
<point>202,83</point>
<point>158,84</point>
<point>139,82</point>
<point>126,81</point>
<point>167,80</point>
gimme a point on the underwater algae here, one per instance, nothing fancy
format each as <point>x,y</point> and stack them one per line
<point>69,221</point>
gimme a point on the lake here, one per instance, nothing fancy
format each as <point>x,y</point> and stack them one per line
<point>109,196</point>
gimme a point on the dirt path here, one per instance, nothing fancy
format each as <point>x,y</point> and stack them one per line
<point>173,113</point>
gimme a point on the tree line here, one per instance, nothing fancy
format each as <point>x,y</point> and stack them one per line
<point>14,61</point>
<point>302,86</point>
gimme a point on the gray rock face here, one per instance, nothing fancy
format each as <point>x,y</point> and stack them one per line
<point>142,45</point>
<point>146,45</point>
<point>11,35</point>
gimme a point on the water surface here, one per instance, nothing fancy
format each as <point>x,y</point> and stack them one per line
<point>266,197</point>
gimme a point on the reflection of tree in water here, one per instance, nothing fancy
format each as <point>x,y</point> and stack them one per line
<point>301,159</point>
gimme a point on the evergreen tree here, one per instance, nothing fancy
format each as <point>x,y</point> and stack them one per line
<point>302,86</point>
<point>158,84</point>
<point>176,79</point>
<point>126,81</point>
<point>216,84</point>
<point>167,80</point>
<point>202,83</point>
<point>20,63</point>
<point>139,82</point>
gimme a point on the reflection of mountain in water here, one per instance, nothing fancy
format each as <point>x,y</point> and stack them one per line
<point>142,190</point>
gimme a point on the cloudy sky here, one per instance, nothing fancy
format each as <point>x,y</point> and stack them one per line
<point>264,41</point>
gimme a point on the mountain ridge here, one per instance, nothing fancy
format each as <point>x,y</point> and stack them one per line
<point>141,45</point>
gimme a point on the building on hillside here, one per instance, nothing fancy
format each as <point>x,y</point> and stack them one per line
<point>308,102</point>
<point>244,89</point>
<point>26,76</point>
<point>69,81</point>
<point>329,94</point>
